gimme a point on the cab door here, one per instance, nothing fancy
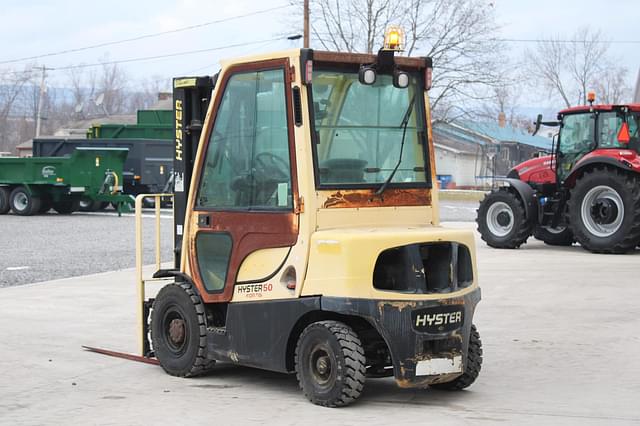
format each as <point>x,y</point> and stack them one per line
<point>246,185</point>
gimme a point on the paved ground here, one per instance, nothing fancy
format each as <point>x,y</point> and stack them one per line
<point>51,246</point>
<point>559,326</point>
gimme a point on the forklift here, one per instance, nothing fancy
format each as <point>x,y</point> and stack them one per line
<point>307,236</point>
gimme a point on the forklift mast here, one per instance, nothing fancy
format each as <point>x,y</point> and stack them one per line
<point>191,96</point>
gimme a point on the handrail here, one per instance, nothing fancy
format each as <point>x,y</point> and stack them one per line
<point>139,259</point>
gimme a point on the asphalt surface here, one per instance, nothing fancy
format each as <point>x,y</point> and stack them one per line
<point>52,246</point>
<point>559,328</point>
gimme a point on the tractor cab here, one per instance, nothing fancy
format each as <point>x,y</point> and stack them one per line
<point>589,128</point>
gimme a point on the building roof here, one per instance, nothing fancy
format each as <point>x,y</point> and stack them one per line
<point>506,134</point>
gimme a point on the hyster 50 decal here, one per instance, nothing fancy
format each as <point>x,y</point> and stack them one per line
<point>438,320</point>
<point>254,290</point>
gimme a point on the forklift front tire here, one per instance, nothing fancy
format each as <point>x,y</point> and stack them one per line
<point>472,366</point>
<point>330,364</point>
<point>178,331</point>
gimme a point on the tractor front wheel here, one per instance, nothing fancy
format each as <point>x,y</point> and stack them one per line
<point>178,331</point>
<point>330,364</point>
<point>604,210</point>
<point>502,221</point>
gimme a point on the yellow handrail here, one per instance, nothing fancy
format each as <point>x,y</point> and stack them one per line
<point>139,258</point>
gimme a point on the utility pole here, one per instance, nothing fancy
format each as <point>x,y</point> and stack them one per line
<point>306,24</point>
<point>43,89</point>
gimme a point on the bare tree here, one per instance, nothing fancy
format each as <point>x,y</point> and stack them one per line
<point>458,34</point>
<point>11,87</point>
<point>569,68</point>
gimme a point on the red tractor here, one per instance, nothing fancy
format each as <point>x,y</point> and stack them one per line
<point>587,190</point>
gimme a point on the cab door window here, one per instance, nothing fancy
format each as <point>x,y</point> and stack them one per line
<point>247,164</point>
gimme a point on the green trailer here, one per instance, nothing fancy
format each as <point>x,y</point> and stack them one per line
<point>34,185</point>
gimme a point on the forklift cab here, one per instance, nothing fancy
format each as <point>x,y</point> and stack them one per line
<point>307,232</point>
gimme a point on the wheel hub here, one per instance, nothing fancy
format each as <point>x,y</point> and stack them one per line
<point>20,201</point>
<point>176,331</point>
<point>321,366</point>
<point>602,211</point>
<point>503,219</point>
<point>500,219</point>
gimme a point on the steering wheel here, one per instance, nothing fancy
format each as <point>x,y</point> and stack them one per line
<point>271,167</point>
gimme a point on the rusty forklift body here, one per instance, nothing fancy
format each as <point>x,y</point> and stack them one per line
<point>306,228</point>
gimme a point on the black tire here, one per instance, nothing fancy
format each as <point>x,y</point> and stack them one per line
<point>502,221</point>
<point>472,367</point>
<point>66,206</point>
<point>45,205</point>
<point>88,205</point>
<point>560,236</point>
<point>5,205</point>
<point>604,210</point>
<point>179,332</point>
<point>23,203</point>
<point>330,364</point>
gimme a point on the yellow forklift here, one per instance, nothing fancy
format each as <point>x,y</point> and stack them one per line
<point>307,232</point>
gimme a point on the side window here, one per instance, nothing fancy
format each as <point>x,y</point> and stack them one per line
<point>577,133</point>
<point>247,163</point>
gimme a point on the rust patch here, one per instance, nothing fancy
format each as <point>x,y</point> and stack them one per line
<point>399,305</point>
<point>353,198</point>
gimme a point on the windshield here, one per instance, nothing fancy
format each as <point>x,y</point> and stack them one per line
<point>359,131</point>
<point>609,125</point>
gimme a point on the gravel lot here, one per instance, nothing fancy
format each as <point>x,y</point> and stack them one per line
<point>51,246</point>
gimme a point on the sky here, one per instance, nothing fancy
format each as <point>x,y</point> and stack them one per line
<point>36,27</point>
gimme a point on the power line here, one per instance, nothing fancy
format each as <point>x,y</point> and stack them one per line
<point>168,55</point>
<point>541,40</point>
<point>142,37</point>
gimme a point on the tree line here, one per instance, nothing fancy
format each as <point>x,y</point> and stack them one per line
<point>476,73</point>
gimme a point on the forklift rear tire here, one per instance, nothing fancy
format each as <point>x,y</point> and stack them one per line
<point>23,203</point>
<point>472,366</point>
<point>502,220</point>
<point>179,332</point>
<point>560,236</point>
<point>66,206</point>
<point>4,200</point>
<point>330,364</point>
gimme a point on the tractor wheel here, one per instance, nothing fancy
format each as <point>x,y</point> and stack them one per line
<point>472,366</point>
<point>330,364</point>
<point>604,210</point>
<point>23,203</point>
<point>560,236</point>
<point>502,222</point>
<point>66,206</point>
<point>5,206</point>
<point>178,331</point>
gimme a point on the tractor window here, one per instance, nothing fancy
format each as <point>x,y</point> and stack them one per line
<point>358,130</point>
<point>609,124</point>
<point>247,163</point>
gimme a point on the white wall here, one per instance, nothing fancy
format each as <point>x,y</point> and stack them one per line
<point>461,166</point>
